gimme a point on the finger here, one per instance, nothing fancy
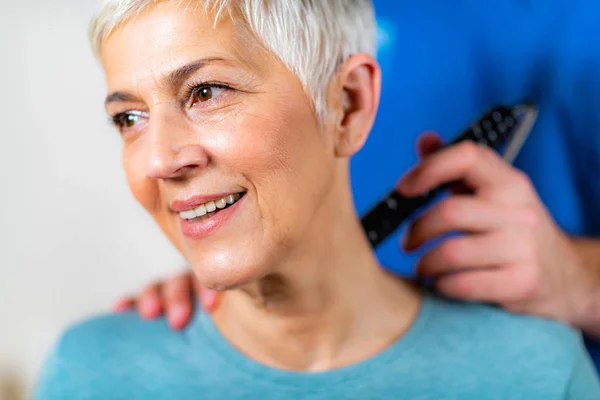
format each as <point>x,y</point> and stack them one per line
<point>505,285</point>
<point>459,213</point>
<point>428,143</point>
<point>123,304</point>
<point>177,300</point>
<point>209,299</point>
<point>149,303</point>
<point>486,250</point>
<point>478,167</point>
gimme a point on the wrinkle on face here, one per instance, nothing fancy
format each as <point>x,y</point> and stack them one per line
<point>264,137</point>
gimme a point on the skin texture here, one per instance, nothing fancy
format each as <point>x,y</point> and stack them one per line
<point>296,270</point>
<point>514,256</point>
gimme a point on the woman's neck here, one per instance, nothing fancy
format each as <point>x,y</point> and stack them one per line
<point>330,304</point>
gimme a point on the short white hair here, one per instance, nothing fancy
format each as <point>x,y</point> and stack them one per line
<point>311,37</point>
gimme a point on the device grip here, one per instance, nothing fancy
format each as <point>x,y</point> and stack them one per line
<point>493,129</point>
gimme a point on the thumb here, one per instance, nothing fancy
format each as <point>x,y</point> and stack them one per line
<point>427,143</point>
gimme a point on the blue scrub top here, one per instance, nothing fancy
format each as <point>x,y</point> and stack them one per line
<point>445,62</point>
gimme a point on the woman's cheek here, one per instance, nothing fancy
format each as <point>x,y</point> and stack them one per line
<point>253,144</point>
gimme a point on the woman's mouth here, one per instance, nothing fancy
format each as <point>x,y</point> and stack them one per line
<point>206,218</point>
<point>211,208</point>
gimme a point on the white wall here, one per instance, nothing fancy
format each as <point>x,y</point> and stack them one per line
<point>71,236</point>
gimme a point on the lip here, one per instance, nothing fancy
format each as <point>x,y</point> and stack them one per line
<point>193,202</point>
<point>196,230</point>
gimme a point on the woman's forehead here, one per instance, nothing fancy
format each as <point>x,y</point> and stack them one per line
<point>165,37</point>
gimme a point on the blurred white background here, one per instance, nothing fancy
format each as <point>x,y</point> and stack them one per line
<point>72,239</point>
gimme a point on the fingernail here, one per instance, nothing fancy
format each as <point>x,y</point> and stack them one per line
<point>178,311</point>
<point>149,308</point>
<point>177,315</point>
<point>213,300</point>
<point>208,299</point>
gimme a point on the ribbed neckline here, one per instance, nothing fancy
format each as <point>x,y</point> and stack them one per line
<point>203,328</point>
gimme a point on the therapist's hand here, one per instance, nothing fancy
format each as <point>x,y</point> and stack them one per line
<point>512,253</point>
<point>173,297</point>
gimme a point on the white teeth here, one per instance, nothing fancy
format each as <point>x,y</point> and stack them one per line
<point>222,203</point>
<point>210,206</point>
<point>200,210</point>
<point>188,214</point>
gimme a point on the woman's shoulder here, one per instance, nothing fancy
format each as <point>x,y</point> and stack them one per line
<point>530,354</point>
<point>91,351</point>
<point>468,348</point>
<point>500,330</point>
<point>112,332</point>
<point>513,342</point>
<point>477,311</point>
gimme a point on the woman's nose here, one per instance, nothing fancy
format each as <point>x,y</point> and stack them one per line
<point>173,153</point>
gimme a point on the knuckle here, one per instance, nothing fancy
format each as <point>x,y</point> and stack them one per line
<point>462,287</point>
<point>179,282</point>
<point>528,254</point>
<point>176,287</point>
<point>186,276</point>
<point>529,250</point>
<point>521,182</point>
<point>173,292</point>
<point>424,171</point>
<point>451,251</point>
<point>151,289</point>
<point>528,217</point>
<point>529,282</point>
<point>448,211</point>
<point>170,291</point>
<point>470,152</point>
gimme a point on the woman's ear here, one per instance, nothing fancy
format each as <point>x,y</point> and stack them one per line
<point>360,86</point>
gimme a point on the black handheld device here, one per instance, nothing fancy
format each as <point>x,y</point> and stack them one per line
<point>502,128</point>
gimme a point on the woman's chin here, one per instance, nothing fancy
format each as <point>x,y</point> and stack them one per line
<point>222,277</point>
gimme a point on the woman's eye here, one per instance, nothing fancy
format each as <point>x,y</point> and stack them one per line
<point>204,94</point>
<point>127,120</point>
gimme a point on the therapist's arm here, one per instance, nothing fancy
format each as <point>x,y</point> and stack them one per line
<point>513,253</point>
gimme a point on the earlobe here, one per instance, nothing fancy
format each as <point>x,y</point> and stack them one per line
<point>360,92</point>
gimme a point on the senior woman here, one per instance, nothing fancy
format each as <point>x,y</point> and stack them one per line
<point>238,120</point>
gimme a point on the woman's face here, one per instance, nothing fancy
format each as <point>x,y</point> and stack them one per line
<point>209,119</point>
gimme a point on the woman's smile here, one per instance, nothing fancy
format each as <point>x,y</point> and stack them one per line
<point>200,217</point>
<point>221,144</point>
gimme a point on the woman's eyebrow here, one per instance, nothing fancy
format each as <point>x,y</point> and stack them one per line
<point>176,78</point>
<point>173,80</point>
<point>118,97</point>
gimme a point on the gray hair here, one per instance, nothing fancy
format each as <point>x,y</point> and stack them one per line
<point>311,37</point>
